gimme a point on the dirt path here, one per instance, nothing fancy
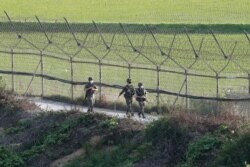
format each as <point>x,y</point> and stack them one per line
<point>67,159</point>
<point>49,105</point>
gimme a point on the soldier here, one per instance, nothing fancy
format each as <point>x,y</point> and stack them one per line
<point>90,90</point>
<point>141,97</point>
<point>129,92</point>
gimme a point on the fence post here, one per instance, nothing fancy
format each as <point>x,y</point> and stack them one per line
<point>12,70</point>
<point>249,83</point>
<point>72,79</point>
<point>42,80</point>
<point>158,88</point>
<point>217,93</point>
<point>217,85</point>
<point>186,88</point>
<point>129,70</point>
<point>100,80</point>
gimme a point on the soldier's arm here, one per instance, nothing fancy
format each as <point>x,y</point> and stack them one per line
<point>137,93</point>
<point>133,89</point>
<point>94,88</point>
<point>123,90</point>
<point>86,89</point>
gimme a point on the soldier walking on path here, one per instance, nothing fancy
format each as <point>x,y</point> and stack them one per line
<point>90,90</point>
<point>129,92</point>
<point>141,97</point>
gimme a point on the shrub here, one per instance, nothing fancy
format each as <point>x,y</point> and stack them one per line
<point>163,128</point>
<point>235,153</point>
<point>9,158</point>
<point>57,134</point>
<point>111,123</point>
<point>201,150</point>
<point>21,126</point>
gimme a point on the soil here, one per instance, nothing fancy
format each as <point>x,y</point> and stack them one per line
<point>68,158</point>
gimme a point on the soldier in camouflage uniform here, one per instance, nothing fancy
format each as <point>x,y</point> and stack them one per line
<point>129,92</point>
<point>141,95</point>
<point>90,90</point>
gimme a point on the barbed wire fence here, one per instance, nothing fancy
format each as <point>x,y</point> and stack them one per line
<point>178,67</point>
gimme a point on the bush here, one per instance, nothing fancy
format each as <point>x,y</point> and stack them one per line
<point>9,159</point>
<point>111,123</point>
<point>164,128</point>
<point>21,126</point>
<point>235,153</point>
<point>201,151</point>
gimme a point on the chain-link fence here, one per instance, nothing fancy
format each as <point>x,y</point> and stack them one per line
<point>175,64</point>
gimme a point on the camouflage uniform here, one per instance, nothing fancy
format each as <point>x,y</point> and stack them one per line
<point>128,91</point>
<point>90,96</point>
<point>141,98</point>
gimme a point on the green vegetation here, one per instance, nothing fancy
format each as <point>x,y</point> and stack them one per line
<point>235,152</point>
<point>210,58</point>
<point>9,158</point>
<point>133,11</point>
<point>57,134</point>
<point>164,129</point>
<point>200,150</point>
<point>164,18</point>
<point>115,27</point>
<point>109,123</point>
<point>21,126</point>
<point>213,148</point>
<point>184,139</point>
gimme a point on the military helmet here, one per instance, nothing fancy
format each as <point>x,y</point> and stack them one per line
<point>90,79</point>
<point>140,84</point>
<point>128,80</point>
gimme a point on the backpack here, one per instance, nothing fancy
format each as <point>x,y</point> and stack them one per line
<point>129,91</point>
<point>140,92</point>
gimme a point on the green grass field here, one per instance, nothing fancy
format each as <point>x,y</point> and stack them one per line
<point>133,11</point>
<point>210,57</point>
<point>227,19</point>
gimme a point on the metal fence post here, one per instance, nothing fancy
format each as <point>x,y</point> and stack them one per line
<point>217,93</point>
<point>249,83</point>
<point>129,70</point>
<point>217,85</point>
<point>12,70</point>
<point>72,79</point>
<point>186,88</point>
<point>42,80</point>
<point>158,88</point>
<point>100,80</point>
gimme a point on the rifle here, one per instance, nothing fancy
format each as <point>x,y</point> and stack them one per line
<point>142,97</point>
<point>92,87</point>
